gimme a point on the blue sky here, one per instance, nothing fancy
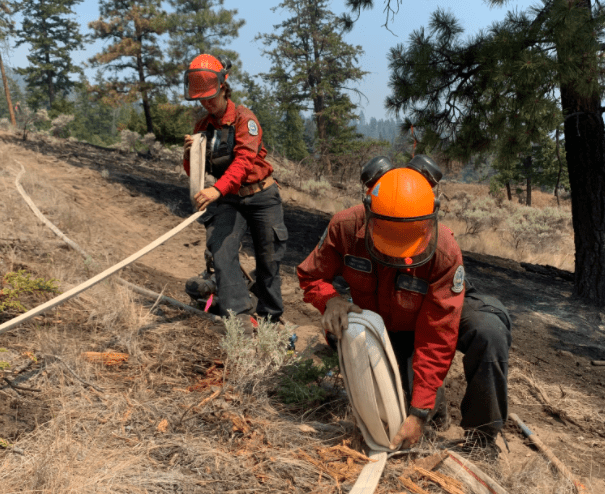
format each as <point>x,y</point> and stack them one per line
<point>368,32</point>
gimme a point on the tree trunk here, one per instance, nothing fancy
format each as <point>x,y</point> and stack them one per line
<point>49,81</point>
<point>557,146</point>
<point>322,134</point>
<point>584,134</point>
<point>7,92</point>
<point>509,192</point>
<point>528,199</point>
<point>143,84</point>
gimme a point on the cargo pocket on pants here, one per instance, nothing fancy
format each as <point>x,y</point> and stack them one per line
<point>487,303</point>
<point>281,236</point>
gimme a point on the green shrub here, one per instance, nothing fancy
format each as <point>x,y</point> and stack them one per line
<point>303,381</point>
<point>316,187</point>
<point>16,284</point>
<point>287,176</point>
<point>478,213</point>
<point>538,229</point>
<point>253,359</point>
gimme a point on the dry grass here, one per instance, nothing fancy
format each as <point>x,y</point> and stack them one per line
<point>172,419</point>
<point>495,241</point>
<point>330,203</point>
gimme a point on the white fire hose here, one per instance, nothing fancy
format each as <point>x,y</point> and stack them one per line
<point>371,377</point>
<point>367,362</point>
<point>198,159</point>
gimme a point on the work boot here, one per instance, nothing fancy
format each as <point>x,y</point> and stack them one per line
<point>248,324</point>
<point>201,286</point>
<point>479,446</point>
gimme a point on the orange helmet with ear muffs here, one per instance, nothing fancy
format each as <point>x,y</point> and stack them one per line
<point>205,76</point>
<point>401,219</point>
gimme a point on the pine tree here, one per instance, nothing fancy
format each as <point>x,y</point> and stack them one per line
<point>15,95</point>
<point>7,26</point>
<point>313,67</point>
<point>53,35</point>
<point>259,99</point>
<point>95,121</point>
<point>199,26</point>
<point>172,120</point>
<point>292,135</point>
<point>465,93</point>
<point>540,166</point>
<point>134,55</point>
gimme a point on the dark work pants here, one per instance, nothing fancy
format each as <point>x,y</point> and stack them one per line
<point>484,339</point>
<point>226,222</point>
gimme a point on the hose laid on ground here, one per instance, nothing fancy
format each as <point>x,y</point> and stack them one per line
<point>200,154</point>
<point>371,377</point>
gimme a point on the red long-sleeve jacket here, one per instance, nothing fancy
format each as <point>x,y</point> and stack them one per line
<point>249,164</point>
<point>427,299</point>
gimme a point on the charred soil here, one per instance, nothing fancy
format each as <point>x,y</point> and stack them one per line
<point>119,204</point>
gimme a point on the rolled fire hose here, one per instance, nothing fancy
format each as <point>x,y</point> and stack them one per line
<point>371,377</point>
<point>198,159</point>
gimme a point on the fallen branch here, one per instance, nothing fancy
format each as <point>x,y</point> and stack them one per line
<point>86,383</point>
<point>20,388</point>
<point>448,484</point>
<point>546,403</point>
<point>410,485</point>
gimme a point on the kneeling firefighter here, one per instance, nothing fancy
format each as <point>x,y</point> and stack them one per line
<point>399,262</point>
<point>245,195</point>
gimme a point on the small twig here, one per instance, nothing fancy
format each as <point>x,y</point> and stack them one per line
<point>21,368</point>
<point>21,388</point>
<point>157,301</point>
<point>203,402</point>
<point>76,376</point>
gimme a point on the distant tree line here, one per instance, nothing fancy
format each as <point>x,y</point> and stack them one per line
<point>383,130</point>
<point>147,46</point>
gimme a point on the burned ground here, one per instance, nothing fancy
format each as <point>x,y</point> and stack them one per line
<point>128,201</point>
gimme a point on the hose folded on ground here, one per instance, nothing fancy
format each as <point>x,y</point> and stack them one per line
<point>371,377</point>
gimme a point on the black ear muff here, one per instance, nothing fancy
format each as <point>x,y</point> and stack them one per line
<point>437,204</point>
<point>374,169</point>
<point>426,167</point>
<point>367,201</point>
<point>225,62</point>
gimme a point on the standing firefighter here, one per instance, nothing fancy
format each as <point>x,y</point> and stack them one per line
<point>244,195</point>
<point>400,263</point>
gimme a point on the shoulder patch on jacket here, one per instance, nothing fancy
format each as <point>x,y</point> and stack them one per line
<point>358,263</point>
<point>252,128</point>
<point>458,285</point>
<point>321,240</point>
<point>411,284</point>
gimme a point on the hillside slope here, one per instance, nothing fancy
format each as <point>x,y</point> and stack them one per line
<point>113,204</point>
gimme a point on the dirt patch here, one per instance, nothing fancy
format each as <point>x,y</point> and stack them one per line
<point>19,416</point>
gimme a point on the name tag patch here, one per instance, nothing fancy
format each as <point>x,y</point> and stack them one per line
<point>411,284</point>
<point>358,263</point>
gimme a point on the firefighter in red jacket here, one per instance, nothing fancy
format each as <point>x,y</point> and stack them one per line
<point>400,263</point>
<point>244,194</point>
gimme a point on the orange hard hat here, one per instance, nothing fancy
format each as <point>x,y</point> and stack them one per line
<point>205,76</point>
<point>401,219</point>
